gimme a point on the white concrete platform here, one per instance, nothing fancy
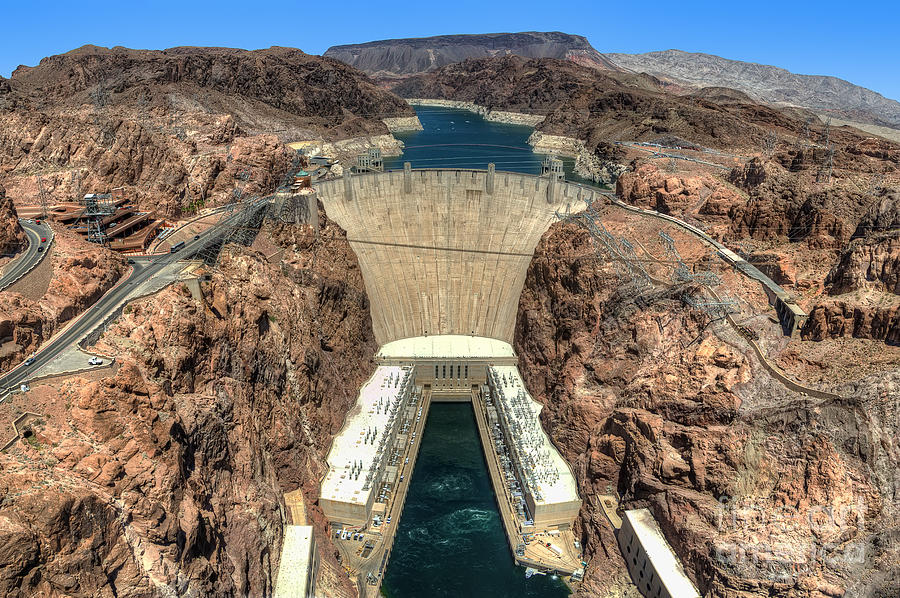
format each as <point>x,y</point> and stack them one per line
<point>449,346</point>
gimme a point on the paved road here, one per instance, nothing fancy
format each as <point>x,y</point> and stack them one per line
<point>32,256</point>
<point>142,270</point>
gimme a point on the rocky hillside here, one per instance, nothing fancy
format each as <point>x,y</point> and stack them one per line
<point>393,58</point>
<point>176,127</point>
<point>684,72</point>
<point>766,83</point>
<point>647,401</point>
<point>11,234</point>
<point>167,475</point>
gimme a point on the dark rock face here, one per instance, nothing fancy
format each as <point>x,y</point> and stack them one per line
<point>399,57</point>
<point>285,79</point>
<point>599,106</point>
<point>12,236</point>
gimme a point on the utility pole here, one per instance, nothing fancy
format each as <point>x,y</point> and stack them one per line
<point>45,208</point>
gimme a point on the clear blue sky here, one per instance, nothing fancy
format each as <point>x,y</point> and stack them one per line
<point>856,41</point>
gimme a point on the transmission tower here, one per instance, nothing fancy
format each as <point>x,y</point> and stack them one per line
<point>824,173</point>
<point>604,242</point>
<point>826,134</point>
<point>803,139</point>
<point>242,177</point>
<point>45,207</point>
<point>96,207</point>
<point>76,184</point>
<point>715,307</point>
<point>769,143</point>
<point>681,273</point>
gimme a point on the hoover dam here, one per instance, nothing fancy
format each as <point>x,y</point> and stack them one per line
<point>444,255</point>
<point>446,251</point>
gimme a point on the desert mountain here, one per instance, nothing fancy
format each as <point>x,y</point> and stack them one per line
<point>767,84</point>
<point>684,72</point>
<point>399,57</point>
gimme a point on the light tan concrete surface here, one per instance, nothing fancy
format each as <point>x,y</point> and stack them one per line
<point>444,251</point>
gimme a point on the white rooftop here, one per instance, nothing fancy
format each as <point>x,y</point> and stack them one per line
<point>660,554</point>
<point>355,450</point>
<point>293,570</point>
<point>445,345</point>
<point>552,478</point>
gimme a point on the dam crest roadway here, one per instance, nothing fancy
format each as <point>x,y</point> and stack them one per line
<point>444,255</point>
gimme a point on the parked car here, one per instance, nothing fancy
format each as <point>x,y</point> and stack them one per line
<point>40,249</point>
<point>95,361</point>
<point>130,261</point>
<point>37,221</point>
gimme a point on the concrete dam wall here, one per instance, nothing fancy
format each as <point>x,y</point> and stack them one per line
<point>446,251</point>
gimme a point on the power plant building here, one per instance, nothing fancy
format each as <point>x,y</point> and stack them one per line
<point>360,451</point>
<point>548,486</point>
<point>299,563</point>
<point>653,566</point>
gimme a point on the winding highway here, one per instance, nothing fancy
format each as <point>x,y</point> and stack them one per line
<point>143,269</point>
<point>32,257</point>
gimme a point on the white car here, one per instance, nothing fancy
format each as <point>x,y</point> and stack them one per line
<point>95,361</point>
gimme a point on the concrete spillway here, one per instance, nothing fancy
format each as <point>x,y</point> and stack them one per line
<point>445,251</point>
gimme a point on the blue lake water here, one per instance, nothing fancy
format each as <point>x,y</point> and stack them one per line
<point>462,139</point>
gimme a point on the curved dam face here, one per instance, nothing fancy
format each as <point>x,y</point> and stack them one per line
<point>446,251</point>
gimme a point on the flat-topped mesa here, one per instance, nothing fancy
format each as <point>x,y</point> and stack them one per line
<point>446,251</point>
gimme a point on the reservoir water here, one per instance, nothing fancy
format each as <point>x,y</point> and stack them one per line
<point>450,541</point>
<point>461,139</point>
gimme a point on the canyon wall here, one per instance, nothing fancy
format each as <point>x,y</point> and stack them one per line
<point>647,401</point>
<point>166,477</point>
<point>12,236</point>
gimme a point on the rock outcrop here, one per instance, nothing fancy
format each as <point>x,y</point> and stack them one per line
<point>841,319</point>
<point>870,263</point>
<point>643,401</point>
<point>167,477</point>
<point>12,237</point>
<point>81,274</point>
<point>393,58</point>
<point>177,128</point>
<point>676,193</point>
